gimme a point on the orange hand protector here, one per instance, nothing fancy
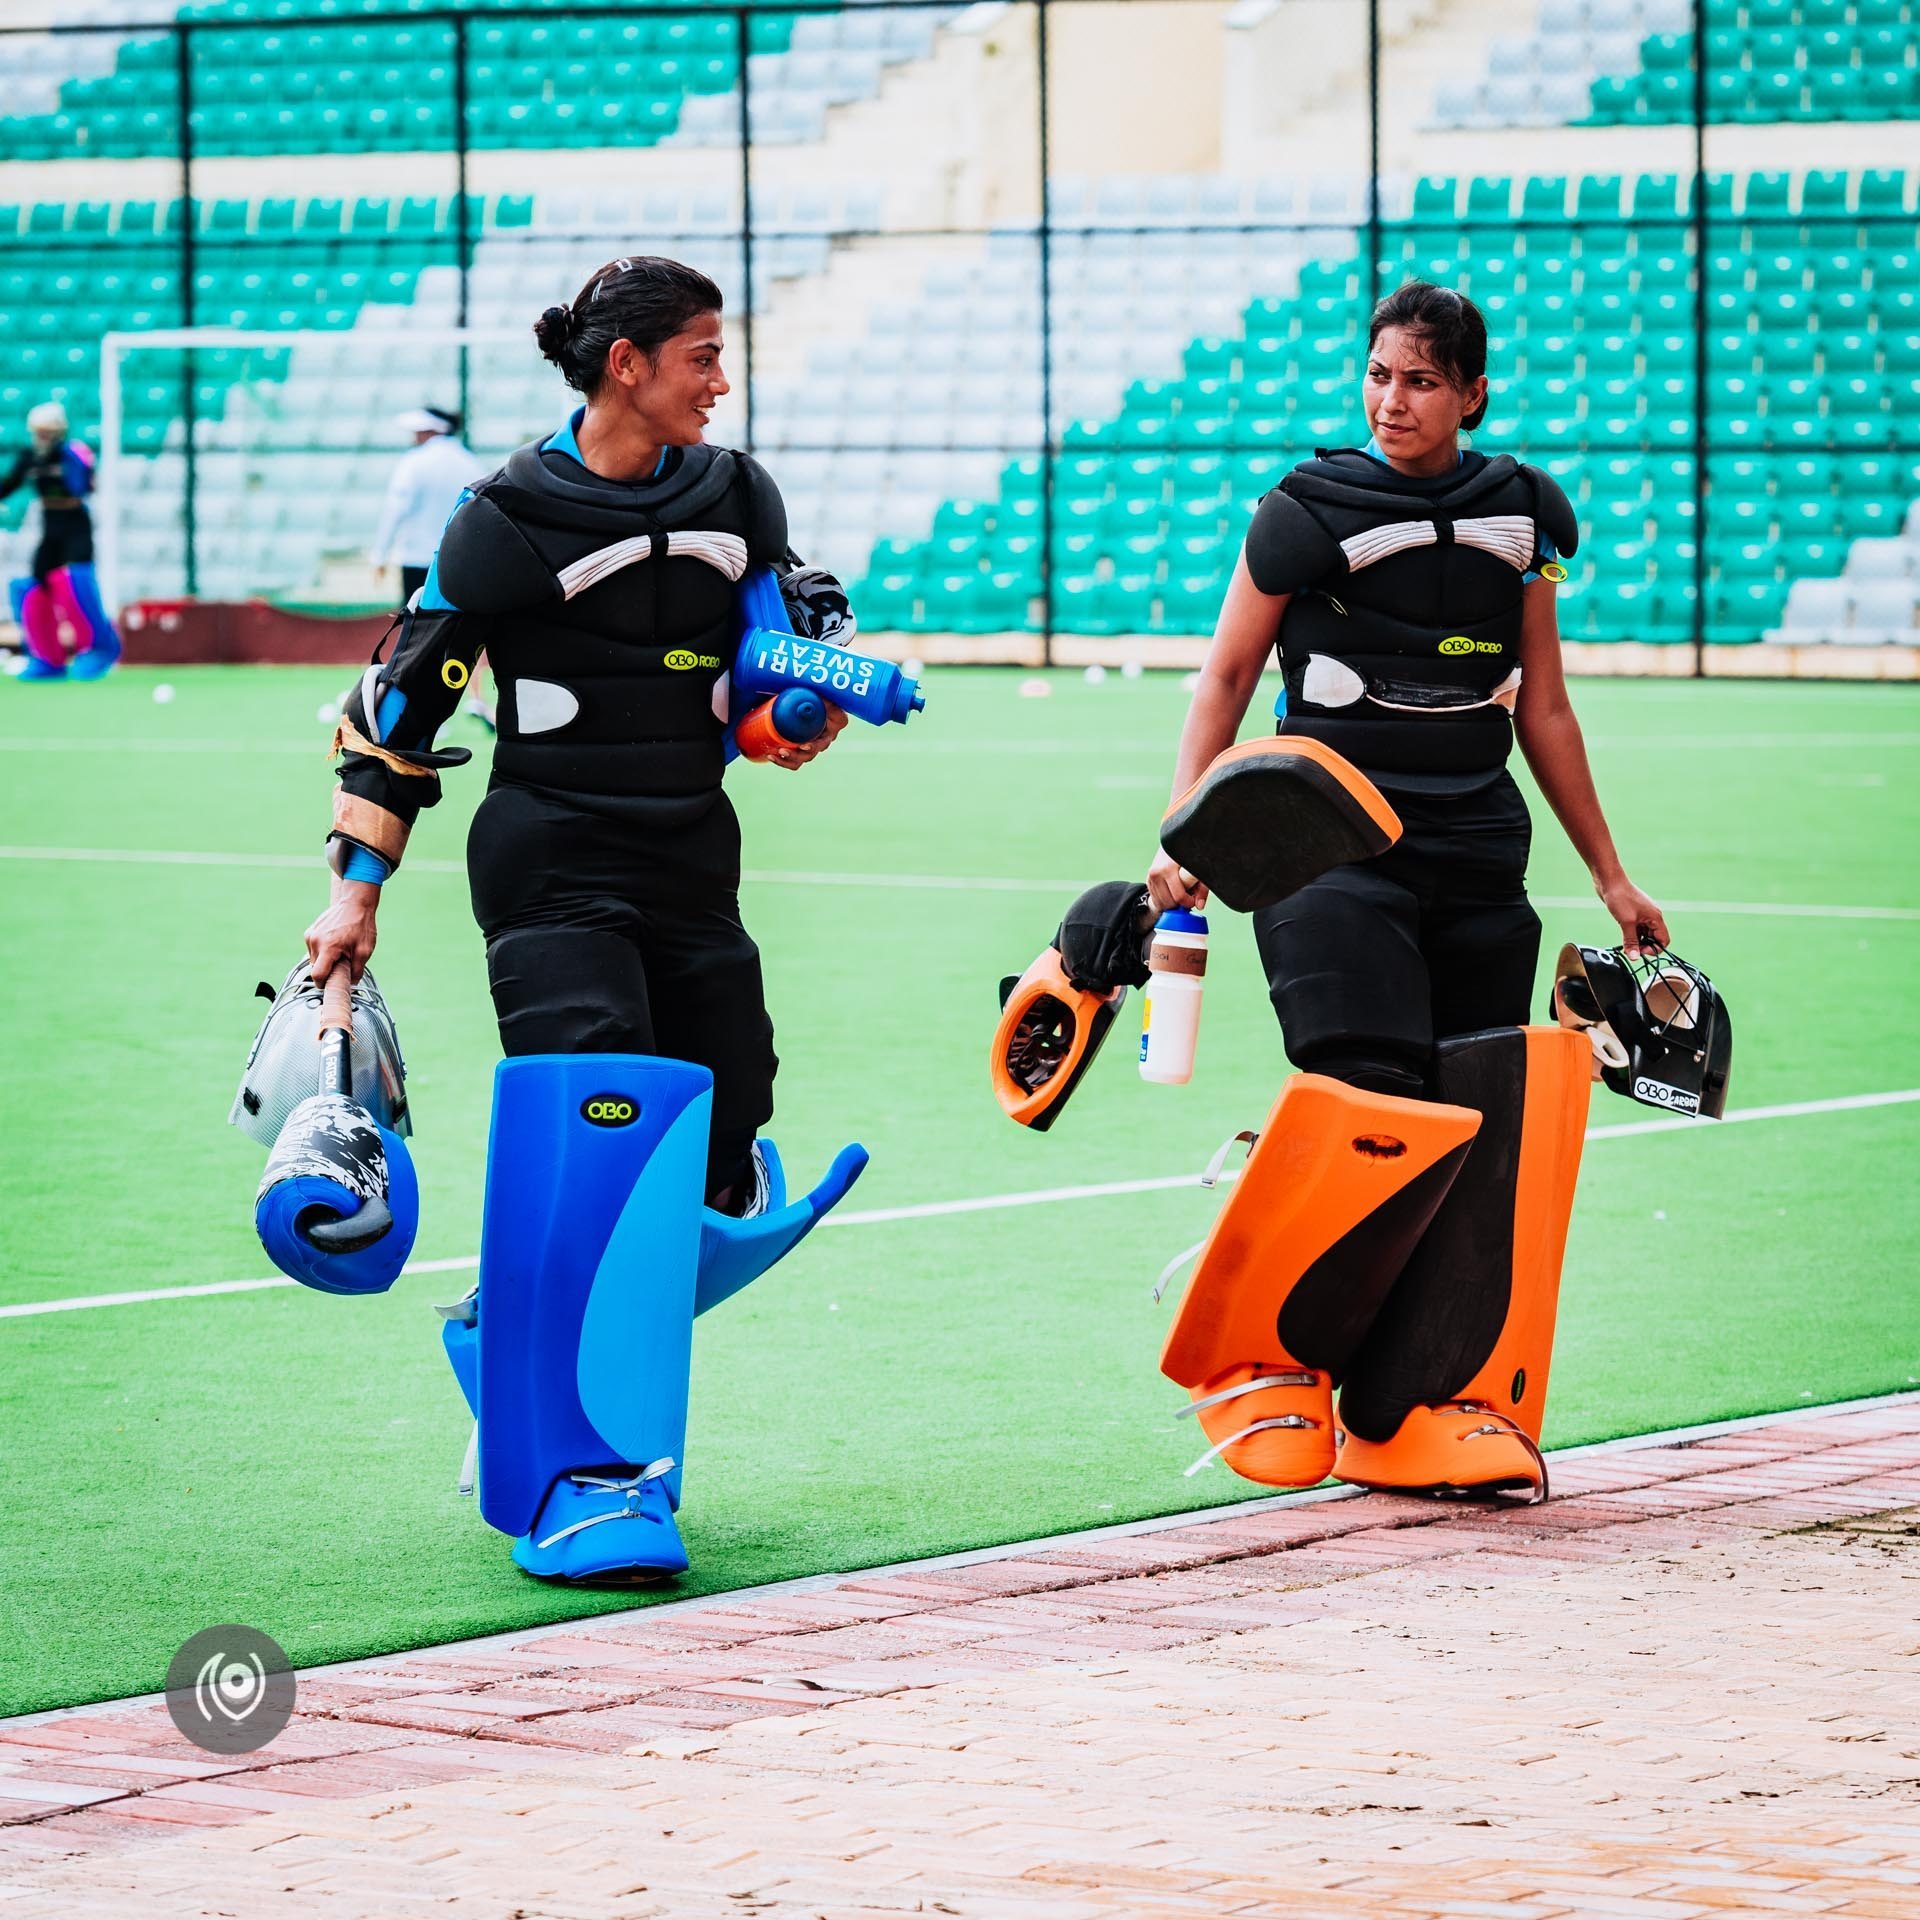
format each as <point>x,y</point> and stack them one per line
<point>1048,1035</point>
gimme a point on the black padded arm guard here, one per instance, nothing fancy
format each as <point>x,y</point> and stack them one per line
<point>766,515</point>
<point>399,775</point>
<point>1553,516</point>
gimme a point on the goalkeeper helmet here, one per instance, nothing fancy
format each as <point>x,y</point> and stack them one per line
<point>1657,1025</point>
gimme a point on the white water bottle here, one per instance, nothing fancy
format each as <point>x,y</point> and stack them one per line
<point>1177,967</point>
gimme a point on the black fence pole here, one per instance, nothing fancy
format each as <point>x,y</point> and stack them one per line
<point>1044,84</point>
<point>462,221</point>
<point>1373,155</point>
<point>189,268</point>
<point>1701,226</point>
<point>744,27</point>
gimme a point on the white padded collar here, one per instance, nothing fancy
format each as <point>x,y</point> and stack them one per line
<point>726,552</point>
<point>1509,536</point>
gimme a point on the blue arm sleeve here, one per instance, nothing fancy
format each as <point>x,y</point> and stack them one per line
<point>76,470</point>
<point>363,864</point>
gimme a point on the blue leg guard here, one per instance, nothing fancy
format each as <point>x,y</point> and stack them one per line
<point>596,1255</point>
<point>103,643</point>
<point>33,614</point>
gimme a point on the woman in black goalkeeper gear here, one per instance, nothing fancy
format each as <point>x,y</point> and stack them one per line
<point>596,571</point>
<point>1410,589</point>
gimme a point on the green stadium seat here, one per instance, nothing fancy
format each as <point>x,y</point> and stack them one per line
<point>1655,197</point>
<point>1738,609</point>
<point>1613,100</point>
<point>1490,199</point>
<point>1543,202</point>
<point>1768,196</point>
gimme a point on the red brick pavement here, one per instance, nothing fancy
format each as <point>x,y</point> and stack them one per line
<point>1659,1694</point>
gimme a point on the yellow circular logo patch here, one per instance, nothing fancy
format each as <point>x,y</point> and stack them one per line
<point>680,660</point>
<point>454,673</point>
<point>1553,571</point>
<point>609,1110</point>
<point>1456,643</point>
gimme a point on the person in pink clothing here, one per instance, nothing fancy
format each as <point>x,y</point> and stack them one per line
<point>61,595</point>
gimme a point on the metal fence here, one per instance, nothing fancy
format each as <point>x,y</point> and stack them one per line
<point>187,117</point>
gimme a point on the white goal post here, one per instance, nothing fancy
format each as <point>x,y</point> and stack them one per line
<point>296,435</point>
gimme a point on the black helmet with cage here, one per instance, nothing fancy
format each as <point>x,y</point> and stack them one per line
<point>1657,1024</point>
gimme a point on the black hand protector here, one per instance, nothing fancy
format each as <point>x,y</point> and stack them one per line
<point>1269,815</point>
<point>1103,940</point>
<point>1657,1025</point>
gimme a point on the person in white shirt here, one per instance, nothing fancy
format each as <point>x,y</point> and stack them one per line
<point>425,488</point>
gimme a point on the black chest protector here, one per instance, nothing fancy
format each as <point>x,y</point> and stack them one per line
<point>610,613</point>
<point>45,470</point>
<point>1402,651</point>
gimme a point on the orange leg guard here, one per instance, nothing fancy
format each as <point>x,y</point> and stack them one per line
<point>1335,1195</point>
<point>1448,1391</point>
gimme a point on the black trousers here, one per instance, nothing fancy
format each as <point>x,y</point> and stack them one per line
<point>66,540</point>
<point>1371,964</point>
<point>619,932</point>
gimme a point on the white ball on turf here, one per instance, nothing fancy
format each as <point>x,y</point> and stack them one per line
<point>327,713</point>
<point>1132,670</point>
<point>913,669</point>
<point>1095,674</point>
<point>162,694</point>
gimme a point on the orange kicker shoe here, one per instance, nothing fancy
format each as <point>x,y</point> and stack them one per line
<point>1271,1422</point>
<point>1460,1447</point>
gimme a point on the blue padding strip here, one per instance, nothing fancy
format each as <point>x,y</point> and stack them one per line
<point>733,1253</point>
<point>431,599</point>
<point>364,864</point>
<point>462,1343</point>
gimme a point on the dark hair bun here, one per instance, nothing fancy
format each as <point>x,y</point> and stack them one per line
<point>554,331</point>
<point>641,298</point>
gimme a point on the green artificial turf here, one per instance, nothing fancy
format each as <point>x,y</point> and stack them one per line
<point>900,1388</point>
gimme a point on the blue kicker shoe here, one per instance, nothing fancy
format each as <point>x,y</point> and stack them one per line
<point>595,1530</point>
<point>95,662</point>
<point>37,669</point>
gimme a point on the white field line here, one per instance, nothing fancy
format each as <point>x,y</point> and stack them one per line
<point>513,1637</point>
<point>910,882</point>
<point>984,1203</point>
<point>316,746</point>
